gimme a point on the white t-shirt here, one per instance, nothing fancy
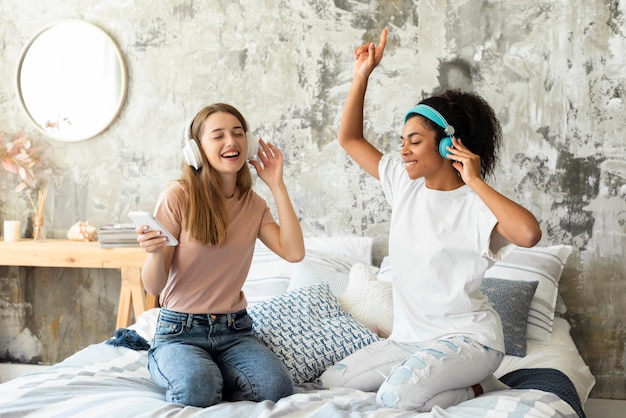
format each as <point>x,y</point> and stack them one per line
<point>439,246</point>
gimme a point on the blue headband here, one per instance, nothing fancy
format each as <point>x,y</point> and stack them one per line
<point>432,114</point>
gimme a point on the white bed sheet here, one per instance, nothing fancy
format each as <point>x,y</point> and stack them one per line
<point>106,381</point>
<point>560,354</point>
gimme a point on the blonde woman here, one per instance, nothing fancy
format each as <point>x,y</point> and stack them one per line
<point>204,348</point>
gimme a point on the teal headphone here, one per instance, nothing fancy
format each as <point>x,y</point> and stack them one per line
<point>433,115</point>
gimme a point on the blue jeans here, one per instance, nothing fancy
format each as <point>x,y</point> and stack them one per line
<point>202,359</point>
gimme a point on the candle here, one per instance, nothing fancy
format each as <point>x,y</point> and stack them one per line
<point>12,231</point>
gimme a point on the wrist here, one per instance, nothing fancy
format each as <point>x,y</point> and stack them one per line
<point>360,80</point>
<point>475,182</point>
<point>278,187</point>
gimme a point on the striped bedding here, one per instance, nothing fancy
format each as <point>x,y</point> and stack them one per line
<point>103,380</point>
<point>106,381</point>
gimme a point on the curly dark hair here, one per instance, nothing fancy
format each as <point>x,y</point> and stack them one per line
<point>474,122</point>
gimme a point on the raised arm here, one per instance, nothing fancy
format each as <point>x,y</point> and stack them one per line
<point>515,223</point>
<point>284,238</point>
<point>350,135</point>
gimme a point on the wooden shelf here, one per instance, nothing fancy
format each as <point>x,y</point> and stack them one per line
<point>76,254</point>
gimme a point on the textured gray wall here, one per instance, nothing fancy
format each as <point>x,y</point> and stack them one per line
<point>553,70</point>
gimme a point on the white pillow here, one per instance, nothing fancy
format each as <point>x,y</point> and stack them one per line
<point>306,274</point>
<point>268,276</point>
<point>355,247</point>
<point>542,264</point>
<point>384,274</point>
<point>369,300</point>
<point>560,308</point>
<point>145,325</point>
<point>308,330</point>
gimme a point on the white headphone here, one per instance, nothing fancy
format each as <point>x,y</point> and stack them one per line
<point>192,154</point>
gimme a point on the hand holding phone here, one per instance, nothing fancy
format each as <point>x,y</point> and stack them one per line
<point>146,218</point>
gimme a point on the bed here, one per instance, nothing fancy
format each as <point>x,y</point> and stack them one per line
<point>312,314</point>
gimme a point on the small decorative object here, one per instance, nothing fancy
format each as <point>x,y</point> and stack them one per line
<point>82,231</point>
<point>19,157</point>
<point>12,231</point>
<point>39,233</point>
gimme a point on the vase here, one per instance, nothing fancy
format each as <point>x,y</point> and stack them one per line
<point>39,234</point>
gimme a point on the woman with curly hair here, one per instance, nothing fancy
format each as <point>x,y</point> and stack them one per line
<point>447,227</point>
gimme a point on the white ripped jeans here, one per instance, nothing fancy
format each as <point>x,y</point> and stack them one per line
<point>408,375</point>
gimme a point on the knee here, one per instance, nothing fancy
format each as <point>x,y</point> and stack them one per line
<point>348,376</point>
<point>275,388</point>
<point>268,379</point>
<point>404,389</point>
<point>197,388</point>
<point>197,398</point>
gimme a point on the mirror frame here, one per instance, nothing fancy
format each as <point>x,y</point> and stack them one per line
<point>90,133</point>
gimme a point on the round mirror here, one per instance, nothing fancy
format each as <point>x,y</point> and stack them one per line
<point>72,80</point>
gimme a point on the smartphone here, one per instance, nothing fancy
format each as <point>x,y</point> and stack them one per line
<point>146,218</point>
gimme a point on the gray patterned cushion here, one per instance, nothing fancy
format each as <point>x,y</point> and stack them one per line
<point>308,330</point>
<point>511,299</point>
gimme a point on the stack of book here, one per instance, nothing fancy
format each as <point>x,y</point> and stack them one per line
<point>117,235</point>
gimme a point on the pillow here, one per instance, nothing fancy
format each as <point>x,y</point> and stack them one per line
<point>355,247</point>
<point>308,330</point>
<point>145,325</point>
<point>369,300</point>
<point>329,261</point>
<point>542,264</point>
<point>511,299</point>
<point>384,274</point>
<point>561,354</point>
<point>306,273</point>
<point>560,307</point>
<point>268,276</point>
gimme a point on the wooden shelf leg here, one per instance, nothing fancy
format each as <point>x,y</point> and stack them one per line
<point>123,309</point>
<point>151,301</point>
<point>138,294</point>
<point>131,296</point>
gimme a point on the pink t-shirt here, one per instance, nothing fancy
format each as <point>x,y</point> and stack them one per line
<point>205,278</point>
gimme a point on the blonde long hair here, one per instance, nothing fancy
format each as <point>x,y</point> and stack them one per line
<point>207,219</point>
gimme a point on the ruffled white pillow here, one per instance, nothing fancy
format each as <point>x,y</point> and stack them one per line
<point>368,299</point>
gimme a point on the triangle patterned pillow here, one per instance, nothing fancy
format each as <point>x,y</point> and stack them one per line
<point>308,330</point>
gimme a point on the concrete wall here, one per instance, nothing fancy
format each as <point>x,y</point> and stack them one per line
<point>553,70</point>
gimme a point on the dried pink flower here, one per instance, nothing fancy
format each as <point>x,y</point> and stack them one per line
<point>20,157</point>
